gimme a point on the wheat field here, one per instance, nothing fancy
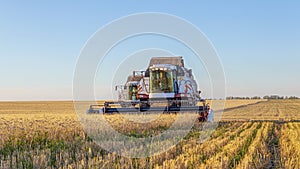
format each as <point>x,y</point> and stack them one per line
<point>251,134</point>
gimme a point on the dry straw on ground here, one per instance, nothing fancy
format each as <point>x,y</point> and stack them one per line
<point>48,135</point>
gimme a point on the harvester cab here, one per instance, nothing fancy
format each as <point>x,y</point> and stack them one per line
<point>130,90</point>
<point>163,81</point>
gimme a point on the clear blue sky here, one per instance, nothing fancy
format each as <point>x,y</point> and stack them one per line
<point>257,41</point>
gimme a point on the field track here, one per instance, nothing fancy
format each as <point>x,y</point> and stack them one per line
<point>254,134</point>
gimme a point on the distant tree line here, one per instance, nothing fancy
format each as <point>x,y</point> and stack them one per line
<point>258,97</point>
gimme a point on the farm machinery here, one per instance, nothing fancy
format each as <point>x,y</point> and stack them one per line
<point>165,86</point>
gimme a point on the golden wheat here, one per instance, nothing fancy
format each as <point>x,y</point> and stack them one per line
<point>49,135</point>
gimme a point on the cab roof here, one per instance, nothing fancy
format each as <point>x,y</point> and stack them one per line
<point>174,60</point>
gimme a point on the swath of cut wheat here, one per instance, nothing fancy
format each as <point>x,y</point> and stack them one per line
<point>49,135</point>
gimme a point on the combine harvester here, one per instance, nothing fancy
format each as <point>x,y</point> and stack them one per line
<point>166,86</point>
